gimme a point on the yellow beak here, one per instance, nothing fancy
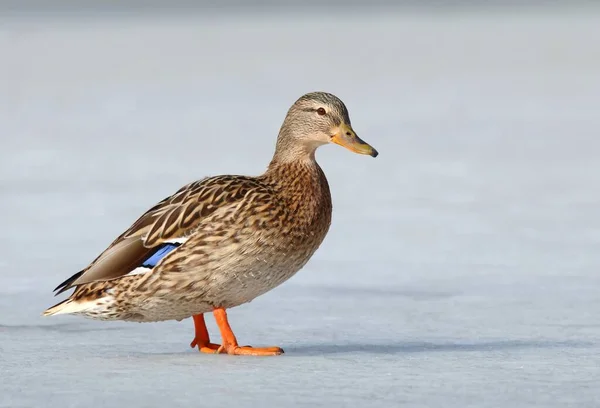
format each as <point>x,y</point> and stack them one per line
<point>345,136</point>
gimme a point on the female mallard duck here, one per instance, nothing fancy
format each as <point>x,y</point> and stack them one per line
<point>221,241</point>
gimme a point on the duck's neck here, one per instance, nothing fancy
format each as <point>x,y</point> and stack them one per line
<point>302,170</point>
<point>286,151</point>
<point>301,183</point>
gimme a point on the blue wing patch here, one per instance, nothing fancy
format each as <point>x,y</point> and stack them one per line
<point>160,252</point>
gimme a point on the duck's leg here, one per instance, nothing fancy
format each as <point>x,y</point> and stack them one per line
<point>230,344</point>
<point>202,339</point>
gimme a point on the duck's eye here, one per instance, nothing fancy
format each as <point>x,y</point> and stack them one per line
<point>321,111</point>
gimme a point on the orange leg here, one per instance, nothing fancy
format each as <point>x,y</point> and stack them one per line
<point>230,344</point>
<point>202,339</point>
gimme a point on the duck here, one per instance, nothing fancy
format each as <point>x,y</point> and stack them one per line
<point>221,241</point>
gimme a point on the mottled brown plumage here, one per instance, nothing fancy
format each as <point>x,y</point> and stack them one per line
<point>238,236</point>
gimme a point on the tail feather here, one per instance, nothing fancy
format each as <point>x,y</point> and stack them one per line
<point>59,308</point>
<point>66,285</point>
<point>88,307</point>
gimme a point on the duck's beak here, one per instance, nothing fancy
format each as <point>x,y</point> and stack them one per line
<point>345,136</point>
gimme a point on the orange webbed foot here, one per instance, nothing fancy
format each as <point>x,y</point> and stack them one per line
<point>205,347</point>
<point>210,348</point>
<point>230,345</point>
<point>249,351</point>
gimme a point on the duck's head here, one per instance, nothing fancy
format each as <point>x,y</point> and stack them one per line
<point>316,119</point>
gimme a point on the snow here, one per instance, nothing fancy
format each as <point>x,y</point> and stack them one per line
<point>461,269</point>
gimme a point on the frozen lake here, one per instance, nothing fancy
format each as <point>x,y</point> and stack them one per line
<point>462,266</point>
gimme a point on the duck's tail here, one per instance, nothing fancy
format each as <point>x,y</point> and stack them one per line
<point>92,308</point>
<point>67,306</point>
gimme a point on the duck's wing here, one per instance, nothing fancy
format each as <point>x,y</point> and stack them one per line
<point>163,228</point>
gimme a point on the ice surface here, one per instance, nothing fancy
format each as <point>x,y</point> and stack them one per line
<point>462,266</point>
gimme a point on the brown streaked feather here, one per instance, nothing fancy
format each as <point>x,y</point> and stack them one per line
<point>172,218</point>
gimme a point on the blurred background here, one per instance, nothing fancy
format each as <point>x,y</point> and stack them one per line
<point>461,265</point>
